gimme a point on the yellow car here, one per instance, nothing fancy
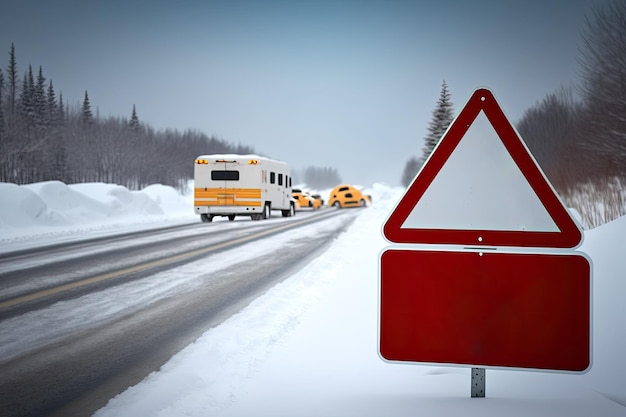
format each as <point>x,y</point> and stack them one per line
<point>296,194</point>
<point>343,196</point>
<point>304,200</point>
<point>318,201</point>
<point>314,202</point>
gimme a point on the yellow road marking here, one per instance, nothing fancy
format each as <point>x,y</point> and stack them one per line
<point>142,267</point>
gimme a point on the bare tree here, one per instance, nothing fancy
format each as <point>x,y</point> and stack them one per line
<point>549,130</point>
<point>603,67</point>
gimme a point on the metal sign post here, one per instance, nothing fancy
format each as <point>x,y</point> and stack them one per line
<point>478,382</point>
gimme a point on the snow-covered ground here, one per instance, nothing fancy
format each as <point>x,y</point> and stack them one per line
<point>52,212</point>
<point>308,347</point>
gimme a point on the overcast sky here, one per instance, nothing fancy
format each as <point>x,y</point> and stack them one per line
<point>344,84</point>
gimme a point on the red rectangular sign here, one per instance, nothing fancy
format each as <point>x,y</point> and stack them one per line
<point>520,310</point>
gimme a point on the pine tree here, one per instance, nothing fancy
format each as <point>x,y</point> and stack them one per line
<point>134,121</point>
<point>59,164</point>
<point>27,109</point>
<point>4,145</point>
<point>39,101</point>
<point>51,106</point>
<point>410,170</point>
<point>61,112</point>
<point>12,74</point>
<point>86,115</point>
<point>442,117</point>
<point>61,169</point>
<point>2,131</point>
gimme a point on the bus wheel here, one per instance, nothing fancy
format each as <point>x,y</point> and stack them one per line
<point>206,218</point>
<point>337,204</point>
<point>289,212</point>
<point>231,217</point>
<point>267,211</point>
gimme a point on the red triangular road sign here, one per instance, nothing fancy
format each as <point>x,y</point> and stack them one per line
<point>481,186</point>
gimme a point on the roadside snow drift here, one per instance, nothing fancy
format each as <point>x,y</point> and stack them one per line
<point>40,211</point>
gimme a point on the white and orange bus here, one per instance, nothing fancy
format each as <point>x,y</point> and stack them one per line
<point>241,185</point>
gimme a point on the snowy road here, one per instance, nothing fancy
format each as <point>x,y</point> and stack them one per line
<point>41,275</point>
<point>80,322</point>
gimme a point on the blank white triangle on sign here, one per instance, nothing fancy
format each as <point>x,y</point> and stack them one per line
<point>480,188</point>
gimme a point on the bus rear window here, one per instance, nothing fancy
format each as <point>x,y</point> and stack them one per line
<point>225,175</point>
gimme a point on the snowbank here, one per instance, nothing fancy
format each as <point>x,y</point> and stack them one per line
<point>39,212</point>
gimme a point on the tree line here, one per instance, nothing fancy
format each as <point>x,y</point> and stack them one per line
<point>578,140</point>
<point>577,134</point>
<point>321,177</point>
<point>44,138</point>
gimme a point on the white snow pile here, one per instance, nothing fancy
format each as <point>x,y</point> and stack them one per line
<point>52,208</point>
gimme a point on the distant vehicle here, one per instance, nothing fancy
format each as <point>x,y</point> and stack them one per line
<point>241,185</point>
<point>296,194</point>
<point>318,198</point>
<point>343,196</point>
<point>315,202</point>
<point>304,199</point>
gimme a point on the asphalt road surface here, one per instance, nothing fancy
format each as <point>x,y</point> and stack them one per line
<point>76,373</point>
